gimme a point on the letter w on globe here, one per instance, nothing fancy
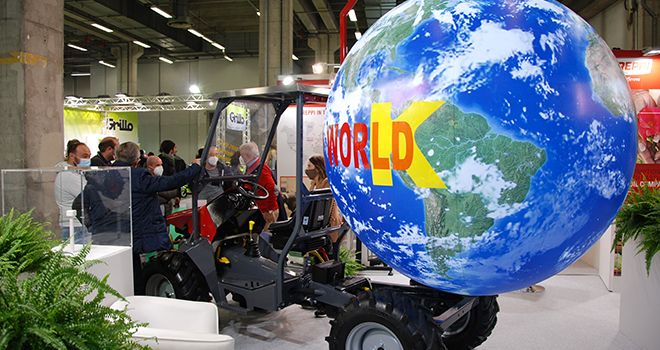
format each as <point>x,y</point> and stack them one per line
<point>391,143</point>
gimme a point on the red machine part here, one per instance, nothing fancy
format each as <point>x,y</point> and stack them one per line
<point>343,50</point>
<point>183,219</point>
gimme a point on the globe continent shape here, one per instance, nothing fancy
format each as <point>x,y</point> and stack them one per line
<point>523,141</point>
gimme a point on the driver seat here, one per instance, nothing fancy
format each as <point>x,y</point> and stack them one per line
<point>316,216</point>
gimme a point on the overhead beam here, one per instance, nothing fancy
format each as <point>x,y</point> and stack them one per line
<point>592,8</point>
<point>302,10</point>
<point>327,15</point>
<point>142,14</point>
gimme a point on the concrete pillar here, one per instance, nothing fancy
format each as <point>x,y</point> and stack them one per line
<point>275,40</point>
<point>134,53</point>
<point>127,56</point>
<point>31,83</point>
<point>31,101</point>
<point>324,46</point>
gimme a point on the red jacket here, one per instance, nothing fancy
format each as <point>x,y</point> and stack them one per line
<point>266,180</point>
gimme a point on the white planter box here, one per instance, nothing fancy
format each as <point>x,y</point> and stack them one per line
<point>640,299</point>
<point>116,261</point>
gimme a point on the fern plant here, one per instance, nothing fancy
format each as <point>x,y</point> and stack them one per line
<point>50,301</point>
<point>351,266</point>
<point>639,219</point>
<point>22,243</point>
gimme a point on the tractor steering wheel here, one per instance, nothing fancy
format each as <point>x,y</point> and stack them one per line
<point>252,194</point>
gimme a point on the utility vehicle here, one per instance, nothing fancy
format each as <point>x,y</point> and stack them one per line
<point>220,261</point>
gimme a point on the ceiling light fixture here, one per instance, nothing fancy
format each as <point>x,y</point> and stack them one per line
<point>139,43</point>
<point>161,12</point>
<point>80,74</point>
<point>103,28</point>
<point>76,47</point>
<point>258,13</point>
<point>288,80</point>
<point>294,57</point>
<point>352,16</point>
<point>358,35</point>
<point>195,33</point>
<point>166,60</point>
<point>107,64</point>
<point>207,39</point>
<point>218,46</point>
<point>229,58</point>
<point>194,89</point>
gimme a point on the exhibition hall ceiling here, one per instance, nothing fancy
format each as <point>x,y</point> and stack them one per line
<point>232,24</point>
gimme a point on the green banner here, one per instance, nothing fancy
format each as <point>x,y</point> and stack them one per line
<point>90,127</point>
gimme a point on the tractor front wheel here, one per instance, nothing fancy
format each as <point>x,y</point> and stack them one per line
<point>173,275</point>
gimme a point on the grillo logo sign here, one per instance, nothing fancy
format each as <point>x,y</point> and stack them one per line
<point>120,125</point>
<point>391,143</point>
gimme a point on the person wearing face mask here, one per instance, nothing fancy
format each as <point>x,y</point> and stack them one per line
<point>68,185</point>
<point>268,207</point>
<point>214,168</point>
<point>316,173</point>
<point>149,227</point>
<point>167,199</point>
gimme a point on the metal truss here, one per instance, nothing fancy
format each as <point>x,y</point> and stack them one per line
<point>194,102</point>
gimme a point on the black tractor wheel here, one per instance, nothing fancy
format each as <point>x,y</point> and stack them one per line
<point>173,275</point>
<point>474,328</point>
<point>384,319</point>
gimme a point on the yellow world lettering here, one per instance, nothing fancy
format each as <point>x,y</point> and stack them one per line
<point>420,171</point>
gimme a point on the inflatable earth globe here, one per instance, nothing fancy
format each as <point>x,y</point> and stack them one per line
<point>479,147</point>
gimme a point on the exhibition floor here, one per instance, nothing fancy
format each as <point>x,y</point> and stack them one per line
<point>575,312</point>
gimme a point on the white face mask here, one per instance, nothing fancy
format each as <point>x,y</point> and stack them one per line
<point>158,171</point>
<point>213,161</point>
<point>85,162</point>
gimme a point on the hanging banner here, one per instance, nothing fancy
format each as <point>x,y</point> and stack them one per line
<point>237,117</point>
<point>90,127</point>
<point>286,143</point>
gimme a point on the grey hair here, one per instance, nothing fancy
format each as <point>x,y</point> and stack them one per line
<point>128,152</point>
<point>250,148</point>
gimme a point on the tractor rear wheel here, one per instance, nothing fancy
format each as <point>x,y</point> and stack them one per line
<point>384,319</point>
<point>474,328</point>
<point>173,275</point>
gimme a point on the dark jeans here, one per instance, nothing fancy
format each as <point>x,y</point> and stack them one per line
<point>138,278</point>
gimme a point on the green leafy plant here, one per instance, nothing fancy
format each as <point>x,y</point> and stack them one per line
<point>48,300</point>
<point>639,219</point>
<point>23,246</point>
<point>351,266</point>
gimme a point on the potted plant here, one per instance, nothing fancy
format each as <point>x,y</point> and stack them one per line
<point>638,225</point>
<point>639,220</point>
<point>47,298</point>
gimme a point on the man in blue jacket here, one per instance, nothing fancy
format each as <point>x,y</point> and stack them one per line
<point>149,227</point>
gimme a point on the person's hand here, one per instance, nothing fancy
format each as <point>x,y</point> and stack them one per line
<point>196,161</point>
<point>177,200</point>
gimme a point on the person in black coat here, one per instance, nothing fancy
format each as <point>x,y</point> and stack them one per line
<point>149,227</point>
<point>106,153</point>
<point>167,152</point>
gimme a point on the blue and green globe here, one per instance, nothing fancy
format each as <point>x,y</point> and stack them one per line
<point>479,147</point>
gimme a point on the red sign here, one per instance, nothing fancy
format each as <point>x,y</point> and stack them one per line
<point>642,73</point>
<point>646,175</point>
